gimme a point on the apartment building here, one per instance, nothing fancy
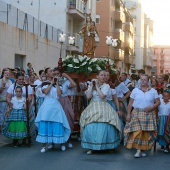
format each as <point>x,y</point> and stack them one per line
<point>162,59</point>
<point>115,20</point>
<point>148,52</point>
<point>135,9</point>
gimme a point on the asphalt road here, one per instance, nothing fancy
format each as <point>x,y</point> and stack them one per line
<point>24,158</point>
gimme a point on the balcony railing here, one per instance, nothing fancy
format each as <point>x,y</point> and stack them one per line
<point>76,8</point>
<point>119,16</point>
<point>119,54</point>
<point>128,59</point>
<point>129,27</point>
<point>119,34</point>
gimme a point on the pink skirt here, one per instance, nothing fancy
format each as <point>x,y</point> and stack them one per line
<point>66,104</point>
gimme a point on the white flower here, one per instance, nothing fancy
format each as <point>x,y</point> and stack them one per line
<point>76,67</point>
<point>98,68</point>
<point>94,60</point>
<point>88,58</point>
<point>75,60</point>
<point>89,69</point>
<point>80,58</point>
<point>70,65</point>
<point>68,56</point>
<point>83,63</point>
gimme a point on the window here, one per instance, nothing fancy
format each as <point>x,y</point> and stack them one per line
<point>97,19</point>
<point>19,60</point>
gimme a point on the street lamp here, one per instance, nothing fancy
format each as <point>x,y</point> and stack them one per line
<point>61,40</point>
<point>114,43</point>
<point>71,42</point>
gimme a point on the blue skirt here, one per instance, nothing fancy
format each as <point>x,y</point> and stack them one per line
<point>50,132</point>
<point>100,136</point>
<point>121,121</point>
<point>161,128</point>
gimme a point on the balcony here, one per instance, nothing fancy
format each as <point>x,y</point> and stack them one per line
<point>128,59</point>
<point>129,27</point>
<point>76,9</point>
<point>119,55</point>
<point>119,34</point>
<point>154,57</point>
<point>119,16</point>
<point>131,5</point>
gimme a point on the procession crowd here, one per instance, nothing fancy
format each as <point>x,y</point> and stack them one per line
<point>102,112</point>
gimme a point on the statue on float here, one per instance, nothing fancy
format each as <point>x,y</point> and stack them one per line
<point>89,33</point>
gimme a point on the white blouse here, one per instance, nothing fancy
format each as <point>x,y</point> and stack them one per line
<point>164,108</point>
<point>18,103</point>
<point>65,88</point>
<point>52,93</point>
<point>121,89</point>
<point>110,94</point>
<point>141,99</point>
<point>104,89</point>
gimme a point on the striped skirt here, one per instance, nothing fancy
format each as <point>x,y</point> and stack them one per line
<point>141,132</point>
<point>100,136</point>
<point>161,129</point>
<point>15,125</point>
<point>66,105</point>
<point>100,127</point>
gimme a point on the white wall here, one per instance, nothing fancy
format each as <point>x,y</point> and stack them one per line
<point>15,41</point>
<point>54,15</point>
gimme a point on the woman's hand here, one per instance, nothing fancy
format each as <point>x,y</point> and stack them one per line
<point>148,108</point>
<point>120,99</point>
<point>128,118</point>
<point>64,75</point>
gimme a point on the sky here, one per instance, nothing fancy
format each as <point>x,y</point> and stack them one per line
<point>159,11</point>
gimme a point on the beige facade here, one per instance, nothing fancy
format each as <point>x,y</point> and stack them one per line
<point>161,63</point>
<point>115,20</point>
<point>17,47</point>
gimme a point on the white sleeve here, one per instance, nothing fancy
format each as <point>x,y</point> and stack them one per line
<point>132,95</point>
<point>124,88</point>
<point>44,87</point>
<point>113,91</point>
<point>156,94</point>
<point>10,89</point>
<point>30,90</point>
<point>105,89</point>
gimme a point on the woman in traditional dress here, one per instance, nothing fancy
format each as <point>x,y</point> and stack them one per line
<point>51,120</point>
<point>163,112</point>
<point>15,127</point>
<point>5,82</point>
<point>100,125</point>
<point>141,131</point>
<point>11,93</point>
<point>67,83</point>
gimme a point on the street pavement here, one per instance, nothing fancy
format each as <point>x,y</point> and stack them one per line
<point>30,158</point>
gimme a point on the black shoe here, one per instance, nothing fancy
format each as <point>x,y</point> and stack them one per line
<point>24,142</point>
<point>15,143</point>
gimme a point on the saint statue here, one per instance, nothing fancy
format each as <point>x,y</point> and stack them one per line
<point>89,32</point>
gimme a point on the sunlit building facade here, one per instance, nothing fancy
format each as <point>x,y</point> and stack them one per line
<point>115,20</point>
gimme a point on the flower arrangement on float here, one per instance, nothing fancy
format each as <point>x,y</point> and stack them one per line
<point>84,64</point>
